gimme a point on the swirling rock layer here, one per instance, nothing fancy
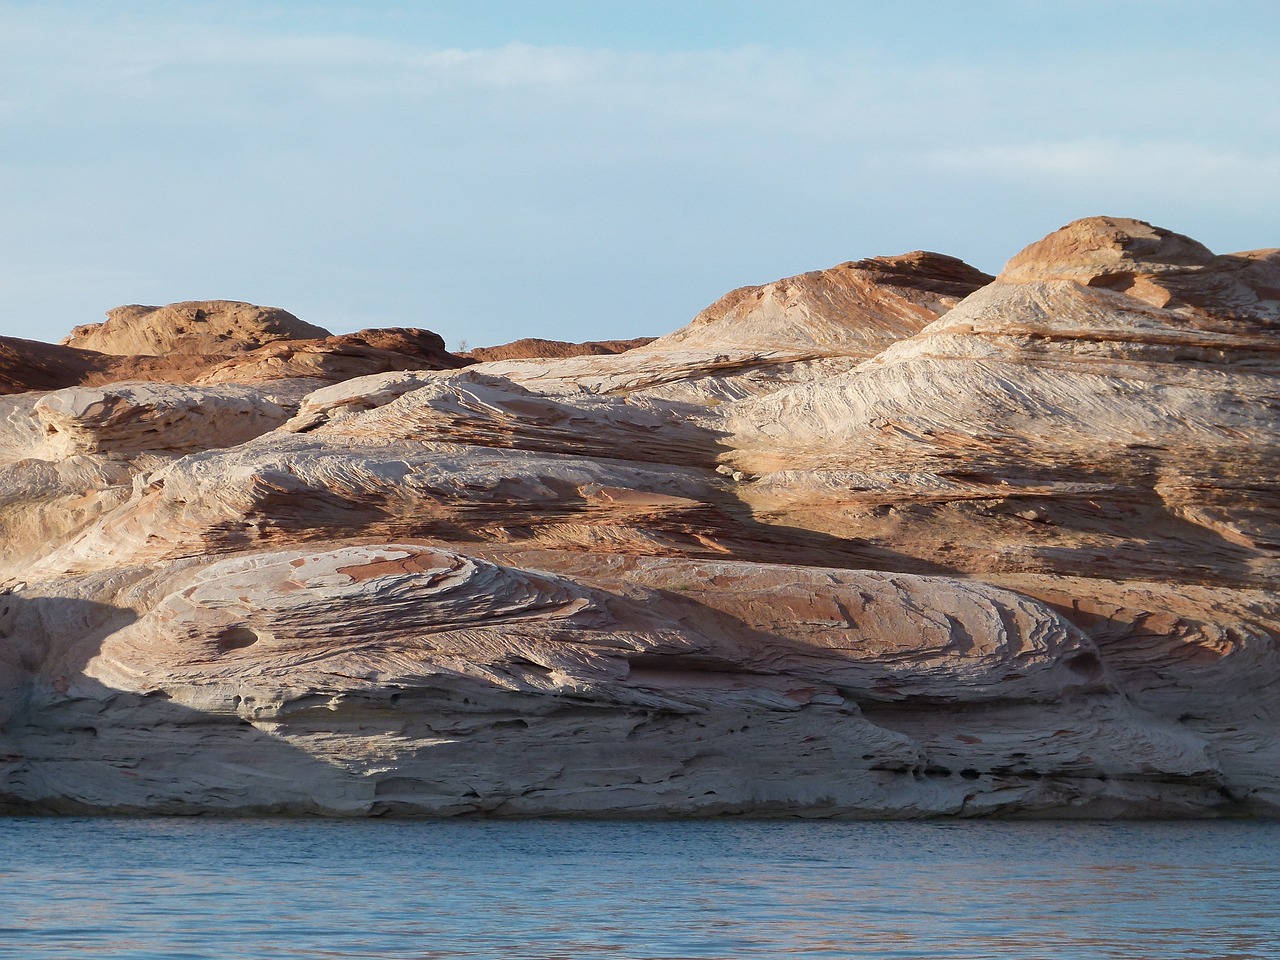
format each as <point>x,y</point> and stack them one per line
<point>891,539</point>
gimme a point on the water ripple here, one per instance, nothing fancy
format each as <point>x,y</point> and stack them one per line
<point>148,889</point>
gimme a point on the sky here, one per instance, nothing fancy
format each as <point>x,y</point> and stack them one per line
<point>591,169</point>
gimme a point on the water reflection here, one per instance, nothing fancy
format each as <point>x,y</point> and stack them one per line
<point>144,889</point>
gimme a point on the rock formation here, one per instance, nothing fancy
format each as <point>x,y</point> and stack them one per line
<point>262,353</point>
<point>854,309</point>
<point>205,327</point>
<point>891,539</point>
<point>528,347</point>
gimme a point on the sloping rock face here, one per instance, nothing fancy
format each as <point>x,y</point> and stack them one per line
<point>1002,547</point>
<point>1053,425</point>
<point>29,365</point>
<point>755,340</point>
<point>856,308</point>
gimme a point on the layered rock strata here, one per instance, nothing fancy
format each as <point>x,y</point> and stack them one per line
<point>894,539</point>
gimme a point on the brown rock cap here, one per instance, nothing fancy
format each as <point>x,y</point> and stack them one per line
<point>1154,265</point>
<point>1098,247</point>
<point>207,327</point>
<point>537,347</point>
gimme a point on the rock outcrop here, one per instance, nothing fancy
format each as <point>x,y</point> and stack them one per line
<point>1051,425</point>
<point>336,358</point>
<point>756,339</point>
<point>892,539</point>
<point>251,345</point>
<point>854,309</point>
<point>529,347</point>
<point>206,327</point>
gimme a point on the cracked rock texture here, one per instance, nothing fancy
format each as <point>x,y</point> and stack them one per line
<point>891,539</point>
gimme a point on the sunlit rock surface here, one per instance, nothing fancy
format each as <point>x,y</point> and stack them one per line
<point>892,539</point>
<point>201,327</point>
<point>211,342</point>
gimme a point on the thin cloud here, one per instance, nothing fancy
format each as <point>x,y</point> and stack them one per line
<point>1164,166</point>
<point>496,192</point>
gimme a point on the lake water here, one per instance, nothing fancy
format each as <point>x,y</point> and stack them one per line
<point>182,888</point>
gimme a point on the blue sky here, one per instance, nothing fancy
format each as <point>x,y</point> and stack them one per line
<point>575,170</point>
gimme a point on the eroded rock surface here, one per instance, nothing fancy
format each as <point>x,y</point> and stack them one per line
<point>206,327</point>
<point>756,339</point>
<point>891,539</point>
<point>856,308</point>
<point>528,347</point>
<point>213,342</point>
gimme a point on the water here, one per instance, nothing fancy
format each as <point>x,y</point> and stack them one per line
<point>177,889</point>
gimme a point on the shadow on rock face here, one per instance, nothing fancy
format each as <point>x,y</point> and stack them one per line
<point>70,744</point>
<point>914,713</point>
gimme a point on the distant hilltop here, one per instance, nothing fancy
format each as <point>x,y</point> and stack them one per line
<point>227,341</point>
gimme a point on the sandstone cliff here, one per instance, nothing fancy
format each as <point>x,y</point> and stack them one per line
<point>891,539</point>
